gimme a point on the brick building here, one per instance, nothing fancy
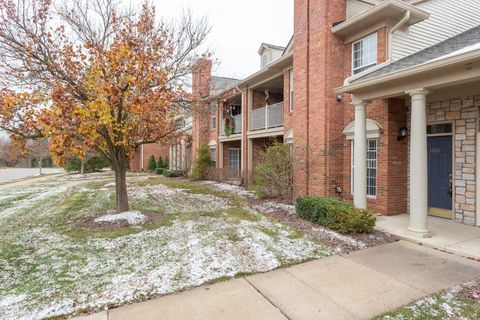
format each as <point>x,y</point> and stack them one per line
<point>380,100</point>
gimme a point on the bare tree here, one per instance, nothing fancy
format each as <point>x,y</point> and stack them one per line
<point>39,151</point>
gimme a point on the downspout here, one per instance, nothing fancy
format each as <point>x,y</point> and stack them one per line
<point>307,100</point>
<point>405,18</point>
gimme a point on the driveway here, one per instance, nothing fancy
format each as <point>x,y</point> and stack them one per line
<point>359,285</point>
<point>12,174</point>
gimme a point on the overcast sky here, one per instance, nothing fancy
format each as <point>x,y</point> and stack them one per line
<point>238,29</point>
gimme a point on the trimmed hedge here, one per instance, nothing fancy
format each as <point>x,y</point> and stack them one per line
<point>159,170</point>
<point>170,173</point>
<point>335,214</point>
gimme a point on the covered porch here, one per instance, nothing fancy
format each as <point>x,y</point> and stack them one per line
<point>441,93</point>
<point>450,237</point>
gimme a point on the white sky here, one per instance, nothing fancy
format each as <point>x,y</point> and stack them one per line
<point>238,29</point>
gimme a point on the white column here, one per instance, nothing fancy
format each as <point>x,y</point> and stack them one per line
<point>360,156</point>
<point>220,155</point>
<point>418,162</point>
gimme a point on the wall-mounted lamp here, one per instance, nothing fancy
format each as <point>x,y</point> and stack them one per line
<point>402,133</point>
<point>338,97</point>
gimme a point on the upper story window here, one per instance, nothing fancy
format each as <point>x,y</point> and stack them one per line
<point>214,118</point>
<point>291,90</point>
<point>364,53</point>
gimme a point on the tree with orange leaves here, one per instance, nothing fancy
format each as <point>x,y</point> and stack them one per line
<point>89,76</point>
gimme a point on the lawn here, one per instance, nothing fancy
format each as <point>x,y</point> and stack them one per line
<point>461,302</point>
<point>58,258</point>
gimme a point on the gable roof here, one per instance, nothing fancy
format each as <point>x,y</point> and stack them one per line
<point>269,46</point>
<point>461,43</point>
<point>219,84</point>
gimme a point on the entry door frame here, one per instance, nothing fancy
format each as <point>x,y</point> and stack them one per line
<point>451,134</point>
<point>477,174</point>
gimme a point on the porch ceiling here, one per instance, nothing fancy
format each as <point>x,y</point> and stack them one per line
<point>274,85</point>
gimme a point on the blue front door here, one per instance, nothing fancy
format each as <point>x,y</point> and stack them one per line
<point>440,172</point>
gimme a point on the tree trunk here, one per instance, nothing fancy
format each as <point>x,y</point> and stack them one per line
<point>121,190</point>
<point>82,166</point>
<point>40,165</point>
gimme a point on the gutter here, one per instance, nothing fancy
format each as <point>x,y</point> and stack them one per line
<point>426,66</point>
<point>245,81</point>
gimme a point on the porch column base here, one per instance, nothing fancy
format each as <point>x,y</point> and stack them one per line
<point>418,233</point>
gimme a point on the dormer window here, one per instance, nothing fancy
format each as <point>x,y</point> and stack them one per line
<point>364,53</point>
<point>264,59</point>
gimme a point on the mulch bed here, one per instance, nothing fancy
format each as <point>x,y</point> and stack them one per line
<point>343,243</point>
<point>471,291</point>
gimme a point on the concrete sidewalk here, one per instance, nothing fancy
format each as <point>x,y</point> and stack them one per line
<point>447,235</point>
<point>360,285</point>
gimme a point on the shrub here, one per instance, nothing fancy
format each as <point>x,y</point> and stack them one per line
<point>170,173</point>
<point>159,170</point>
<point>203,163</point>
<point>92,164</point>
<point>151,164</point>
<point>274,174</point>
<point>165,163</point>
<point>160,163</point>
<point>335,214</point>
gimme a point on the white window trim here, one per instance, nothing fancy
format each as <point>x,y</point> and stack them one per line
<point>239,157</point>
<point>212,148</point>
<point>213,115</point>
<point>375,34</point>
<point>352,169</point>
<point>291,88</point>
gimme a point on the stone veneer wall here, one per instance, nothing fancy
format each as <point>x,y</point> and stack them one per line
<point>463,113</point>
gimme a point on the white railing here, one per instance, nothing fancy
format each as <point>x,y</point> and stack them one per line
<point>267,117</point>
<point>238,125</point>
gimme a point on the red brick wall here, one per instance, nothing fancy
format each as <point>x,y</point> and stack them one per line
<point>392,157</point>
<point>319,68</point>
<point>201,76</point>
<point>155,149</point>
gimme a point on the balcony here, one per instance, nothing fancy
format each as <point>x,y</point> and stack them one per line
<point>267,117</point>
<point>238,125</point>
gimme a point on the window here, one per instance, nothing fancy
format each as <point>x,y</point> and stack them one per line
<point>291,90</point>
<point>264,60</point>
<point>214,118</point>
<point>234,158</point>
<point>364,53</point>
<point>441,128</point>
<point>371,168</point>
<point>213,155</point>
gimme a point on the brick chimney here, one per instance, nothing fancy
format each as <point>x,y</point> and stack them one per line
<point>201,76</point>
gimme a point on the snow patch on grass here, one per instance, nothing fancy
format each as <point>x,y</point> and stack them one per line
<point>174,200</point>
<point>237,190</point>
<point>271,206</point>
<point>133,218</point>
<point>130,268</point>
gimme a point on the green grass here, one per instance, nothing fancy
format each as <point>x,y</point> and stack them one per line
<point>48,254</point>
<point>442,305</point>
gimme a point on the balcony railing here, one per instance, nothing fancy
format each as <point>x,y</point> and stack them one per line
<point>238,125</point>
<point>267,117</point>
